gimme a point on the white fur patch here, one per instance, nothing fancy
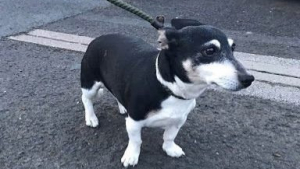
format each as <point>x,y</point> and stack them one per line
<point>223,74</point>
<point>192,74</point>
<point>122,108</point>
<point>172,149</point>
<point>230,41</point>
<point>100,93</point>
<point>87,100</point>
<point>171,117</point>
<point>162,39</point>
<point>179,88</point>
<point>215,42</point>
<point>132,152</point>
<point>169,146</point>
<point>173,112</point>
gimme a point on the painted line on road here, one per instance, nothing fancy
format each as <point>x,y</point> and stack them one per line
<point>50,42</point>
<point>61,36</point>
<point>291,81</point>
<point>265,68</point>
<point>271,64</point>
<point>282,94</point>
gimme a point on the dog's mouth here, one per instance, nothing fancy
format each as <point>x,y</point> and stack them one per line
<point>229,85</point>
<point>234,84</point>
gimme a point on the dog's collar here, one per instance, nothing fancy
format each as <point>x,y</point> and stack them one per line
<point>164,83</point>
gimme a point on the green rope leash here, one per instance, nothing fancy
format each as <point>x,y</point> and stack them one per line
<point>158,23</point>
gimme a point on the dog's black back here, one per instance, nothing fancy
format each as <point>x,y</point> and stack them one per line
<point>126,67</point>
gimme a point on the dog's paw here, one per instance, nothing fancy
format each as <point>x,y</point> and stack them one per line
<point>173,150</point>
<point>130,157</point>
<point>92,121</point>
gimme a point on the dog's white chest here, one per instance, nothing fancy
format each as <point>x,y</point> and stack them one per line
<point>173,113</point>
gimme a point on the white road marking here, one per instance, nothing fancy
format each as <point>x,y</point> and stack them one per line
<point>282,94</point>
<point>61,36</point>
<point>264,68</point>
<point>50,42</point>
<point>292,81</point>
<point>289,67</point>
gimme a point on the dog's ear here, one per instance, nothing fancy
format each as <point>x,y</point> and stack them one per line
<point>168,38</point>
<point>181,23</point>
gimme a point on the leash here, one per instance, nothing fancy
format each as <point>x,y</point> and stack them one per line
<point>157,23</point>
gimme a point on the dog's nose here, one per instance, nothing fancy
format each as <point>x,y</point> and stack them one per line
<point>246,80</point>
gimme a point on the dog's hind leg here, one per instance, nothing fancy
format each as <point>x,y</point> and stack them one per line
<point>87,99</point>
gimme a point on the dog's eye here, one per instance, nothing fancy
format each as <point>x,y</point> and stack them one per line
<point>233,47</point>
<point>209,51</point>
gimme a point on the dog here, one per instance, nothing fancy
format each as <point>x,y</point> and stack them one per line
<point>158,88</point>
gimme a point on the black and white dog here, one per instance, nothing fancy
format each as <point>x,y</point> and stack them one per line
<point>158,88</point>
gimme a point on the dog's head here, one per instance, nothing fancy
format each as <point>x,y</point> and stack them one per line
<point>206,54</point>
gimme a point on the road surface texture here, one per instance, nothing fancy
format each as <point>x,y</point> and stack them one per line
<point>42,118</point>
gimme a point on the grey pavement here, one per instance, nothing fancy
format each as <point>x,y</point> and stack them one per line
<point>259,41</point>
<point>18,16</point>
<point>41,114</point>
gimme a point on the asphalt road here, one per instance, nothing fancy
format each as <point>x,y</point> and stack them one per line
<point>18,16</point>
<point>41,114</point>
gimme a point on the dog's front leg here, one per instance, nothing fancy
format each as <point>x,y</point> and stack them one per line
<point>169,146</point>
<point>132,152</point>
